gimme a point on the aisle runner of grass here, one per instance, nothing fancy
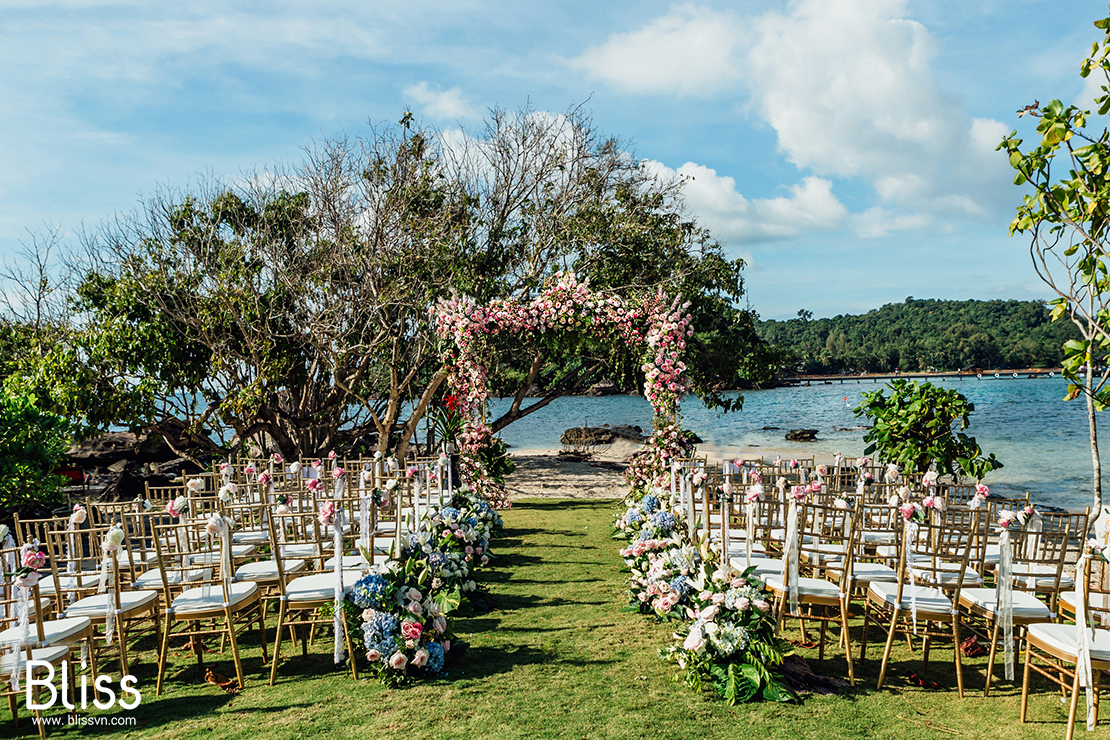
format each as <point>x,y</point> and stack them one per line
<point>559,658</point>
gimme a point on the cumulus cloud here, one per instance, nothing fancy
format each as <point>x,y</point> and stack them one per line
<point>440,104</point>
<point>810,205</point>
<point>850,91</point>
<point>848,88</point>
<point>690,50</point>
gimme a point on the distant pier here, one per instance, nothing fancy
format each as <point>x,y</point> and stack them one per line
<point>958,374</point>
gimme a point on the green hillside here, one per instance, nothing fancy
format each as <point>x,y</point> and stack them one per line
<point>923,335</point>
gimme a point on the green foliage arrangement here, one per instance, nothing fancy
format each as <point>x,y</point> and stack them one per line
<point>921,334</point>
<point>913,426</point>
<point>33,444</point>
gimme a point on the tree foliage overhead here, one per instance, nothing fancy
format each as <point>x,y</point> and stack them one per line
<point>290,308</point>
<point>922,334</point>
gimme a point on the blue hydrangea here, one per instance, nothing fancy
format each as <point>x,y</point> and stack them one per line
<point>644,535</point>
<point>680,585</point>
<point>369,592</point>
<point>633,516</point>
<point>436,561</point>
<point>449,513</point>
<point>380,633</point>
<point>435,658</point>
<point>471,521</point>
<point>649,503</point>
<point>414,542</point>
<point>663,520</point>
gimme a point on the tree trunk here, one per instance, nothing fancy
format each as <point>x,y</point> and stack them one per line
<point>1088,382</point>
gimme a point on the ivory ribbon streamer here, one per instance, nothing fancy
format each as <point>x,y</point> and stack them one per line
<point>9,561</point>
<point>1033,535</point>
<point>911,539</point>
<point>749,534</point>
<point>688,493</point>
<point>339,652</point>
<point>23,611</point>
<point>364,521</point>
<point>417,493</point>
<point>674,484</point>
<point>1004,595</point>
<point>1082,642</point>
<point>791,575</point>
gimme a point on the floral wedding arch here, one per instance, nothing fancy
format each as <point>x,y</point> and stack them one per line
<point>654,322</point>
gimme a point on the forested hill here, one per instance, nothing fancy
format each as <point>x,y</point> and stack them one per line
<point>923,335</point>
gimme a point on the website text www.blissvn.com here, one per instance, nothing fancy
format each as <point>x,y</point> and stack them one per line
<point>98,692</point>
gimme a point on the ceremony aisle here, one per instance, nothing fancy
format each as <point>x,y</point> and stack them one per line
<point>559,658</point>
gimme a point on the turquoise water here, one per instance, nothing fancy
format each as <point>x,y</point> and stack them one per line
<point>1041,440</point>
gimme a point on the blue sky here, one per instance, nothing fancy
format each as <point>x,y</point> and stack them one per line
<point>844,148</point>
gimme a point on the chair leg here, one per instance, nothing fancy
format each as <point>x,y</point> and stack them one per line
<point>821,644</point>
<point>230,624</point>
<point>990,660</point>
<point>350,651</point>
<point>889,646</point>
<point>863,634</point>
<point>262,630</point>
<point>1025,680</point>
<point>121,636</point>
<point>163,652</point>
<point>845,636</point>
<point>277,643</point>
<point>959,656</point>
<point>1073,706</point>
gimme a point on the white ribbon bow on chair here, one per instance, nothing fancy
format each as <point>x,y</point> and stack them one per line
<point>792,556</point>
<point>1082,642</point>
<point>1004,594</point>
<point>113,538</point>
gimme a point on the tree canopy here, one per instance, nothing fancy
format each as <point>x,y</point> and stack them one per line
<point>290,307</point>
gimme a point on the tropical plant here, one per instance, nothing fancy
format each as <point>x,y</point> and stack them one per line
<point>33,444</point>
<point>1066,217</point>
<point>912,425</point>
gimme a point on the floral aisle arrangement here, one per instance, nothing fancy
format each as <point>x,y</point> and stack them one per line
<point>730,644</point>
<point>727,641</point>
<point>403,609</point>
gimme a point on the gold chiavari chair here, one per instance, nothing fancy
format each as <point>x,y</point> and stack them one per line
<point>124,613</point>
<point>217,606</point>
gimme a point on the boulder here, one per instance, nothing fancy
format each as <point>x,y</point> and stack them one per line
<point>587,436</point>
<point>630,432</point>
<point>603,388</point>
<point>801,435</point>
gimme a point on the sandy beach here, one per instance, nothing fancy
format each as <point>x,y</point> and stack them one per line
<point>547,474</point>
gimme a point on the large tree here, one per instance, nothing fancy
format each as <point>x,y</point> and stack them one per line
<point>291,307</point>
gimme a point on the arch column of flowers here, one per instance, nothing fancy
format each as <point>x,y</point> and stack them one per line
<point>654,322</point>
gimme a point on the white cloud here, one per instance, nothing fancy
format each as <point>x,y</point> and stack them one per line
<point>848,88</point>
<point>441,104</point>
<point>690,50</point>
<point>810,206</point>
<point>877,222</point>
<point>850,91</point>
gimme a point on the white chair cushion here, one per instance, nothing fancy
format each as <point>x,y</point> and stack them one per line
<point>994,553</point>
<point>738,549</point>
<point>929,600</point>
<point>818,587</point>
<point>868,572</point>
<point>1041,575</point>
<point>319,585</point>
<point>948,575</point>
<point>350,562</point>
<point>94,606</point>
<point>763,566</point>
<point>47,586</point>
<point>266,570</point>
<point>300,550</point>
<point>824,553</point>
<point>251,537</point>
<point>54,631</point>
<point>46,654</point>
<point>139,558</point>
<point>1026,605</point>
<point>1062,638</point>
<point>237,551</point>
<point>1101,601</point>
<point>871,537</point>
<point>153,578</point>
<point>194,599</point>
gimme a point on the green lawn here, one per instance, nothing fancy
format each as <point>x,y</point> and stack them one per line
<point>559,658</point>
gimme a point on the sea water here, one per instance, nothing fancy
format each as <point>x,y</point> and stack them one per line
<point>1041,439</point>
